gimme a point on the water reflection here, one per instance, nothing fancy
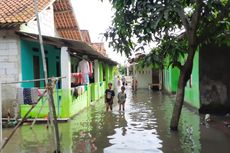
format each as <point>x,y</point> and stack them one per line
<point>142,128</point>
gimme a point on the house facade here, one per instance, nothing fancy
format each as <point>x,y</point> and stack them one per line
<point>147,76</point>
<point>21,59</point>
<point>208,88</point>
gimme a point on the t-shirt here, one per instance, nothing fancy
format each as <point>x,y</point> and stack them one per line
<point>121,97</point>
<point>83,67</point>
<point>109,94</point>
<point>123,79</point>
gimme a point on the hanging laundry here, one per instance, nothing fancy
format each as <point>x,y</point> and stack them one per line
<point>74,92</point>
<point>77,78</point>
<point>83,67</point>
<point>90,69</point>
<point>27,95</point>
<point>86,87</point>
<point>79,90</point>
<point>85,78</point>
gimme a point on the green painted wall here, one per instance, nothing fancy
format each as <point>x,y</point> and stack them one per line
<point>192,93</point>
<point>101,71</point>
<point>66,105</point>
<point>171,77</point>
<point>27,53</point>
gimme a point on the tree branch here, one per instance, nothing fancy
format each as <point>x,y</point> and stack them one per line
<point>177,64</point>
<point>196,15</point>
<point>225,10</point>
<point>184,19</point>
<point>224,13</point>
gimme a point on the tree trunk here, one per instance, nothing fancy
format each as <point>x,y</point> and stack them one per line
<point>185,74</point>
<point>179,103</point>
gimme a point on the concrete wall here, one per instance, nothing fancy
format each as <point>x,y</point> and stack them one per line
<point>214,78</point>
<point>10,68</point>
<point>143,76</point>
<point>46,22</point>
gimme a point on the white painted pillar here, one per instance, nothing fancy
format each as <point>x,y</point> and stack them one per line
<point>96,71</point>
<point>65,68</point>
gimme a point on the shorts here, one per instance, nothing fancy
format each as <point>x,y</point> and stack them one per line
<point>121,102</point>
<point>109,102</point>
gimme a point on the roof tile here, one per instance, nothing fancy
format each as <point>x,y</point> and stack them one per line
<point>19,11</point>
<point>65,20</point>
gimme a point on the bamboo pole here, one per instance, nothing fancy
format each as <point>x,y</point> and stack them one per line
<point>50,94</point>
<point>0,114</point>
<point>54,120</point>
<point>34,121</point>
<point>23,119</point>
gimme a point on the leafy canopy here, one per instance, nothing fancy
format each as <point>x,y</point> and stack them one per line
<point>176,25</point>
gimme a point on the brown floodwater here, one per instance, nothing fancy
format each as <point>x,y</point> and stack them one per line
<point>142,128</point>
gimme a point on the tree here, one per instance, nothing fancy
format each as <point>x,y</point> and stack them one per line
<point>140,22</point>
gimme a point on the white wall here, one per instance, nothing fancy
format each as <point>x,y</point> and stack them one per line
<point>143,76</point>
<point>10,67</point>
<point>46,22</point>
<point>10,64</point>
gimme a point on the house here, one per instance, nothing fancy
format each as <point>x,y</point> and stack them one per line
<point>146,76</point>
<point>65,45</point>
<point>208,89</point>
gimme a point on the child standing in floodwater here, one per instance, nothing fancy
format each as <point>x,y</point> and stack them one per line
<point>109,95</point>
<point>122,98</point>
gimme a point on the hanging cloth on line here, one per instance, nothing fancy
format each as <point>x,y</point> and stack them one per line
<point>27,95</point>
<point>77,78</point>
<point>90,69</point>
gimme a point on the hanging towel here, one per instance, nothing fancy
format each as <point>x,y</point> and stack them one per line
<point>27,95</point>
<point>77,78</point>
<point>90,69</point>
<point>30,95</point>
<point>79,90</point>
<point>85,77</point>
<point>74,92</point>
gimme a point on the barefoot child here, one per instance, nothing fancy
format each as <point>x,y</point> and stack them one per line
<point>122,98</point>
<point>109,95</point>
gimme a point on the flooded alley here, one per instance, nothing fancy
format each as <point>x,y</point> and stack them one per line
<point>142,128</point>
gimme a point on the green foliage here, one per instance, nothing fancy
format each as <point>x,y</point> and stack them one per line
<point>122,69</point>
<point>115,71</point>
<point>141,22</point>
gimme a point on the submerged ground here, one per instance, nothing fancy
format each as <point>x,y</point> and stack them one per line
<point>142,128</point>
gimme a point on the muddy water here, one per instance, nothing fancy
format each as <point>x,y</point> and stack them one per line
<point>142,128</point>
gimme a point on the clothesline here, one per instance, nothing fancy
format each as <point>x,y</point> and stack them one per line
<point>35,80</point>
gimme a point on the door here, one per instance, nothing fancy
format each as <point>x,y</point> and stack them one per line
<point>36,66</point>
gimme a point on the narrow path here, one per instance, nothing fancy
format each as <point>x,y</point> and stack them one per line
<point>142,128</point>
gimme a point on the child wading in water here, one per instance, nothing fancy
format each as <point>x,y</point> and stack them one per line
<point>109,95</point>
<point>122,98</point>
